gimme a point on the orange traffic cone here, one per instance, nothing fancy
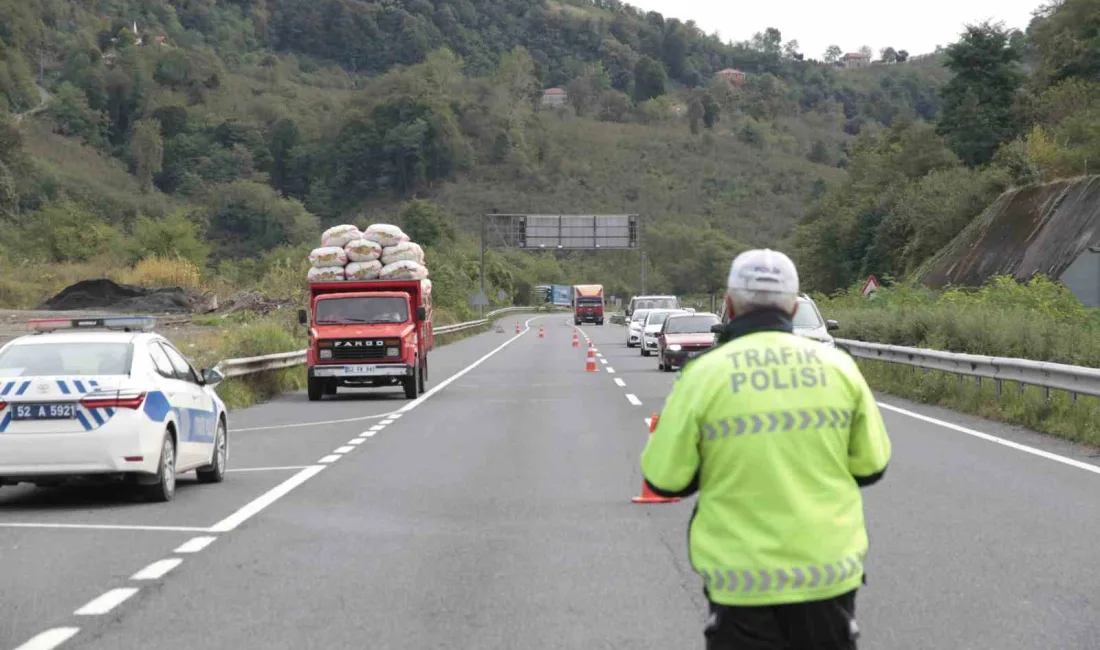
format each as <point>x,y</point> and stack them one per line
<point>576,341</point>
<point>590,364</point>
<point>542,334</point>
<point>517,328</point>
<point>647,495</point>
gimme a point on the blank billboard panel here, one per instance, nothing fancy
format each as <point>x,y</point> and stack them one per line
<point>577,231</point>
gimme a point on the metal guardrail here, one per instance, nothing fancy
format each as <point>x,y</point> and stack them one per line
<point>1077,380</point>
<point>252,365</point>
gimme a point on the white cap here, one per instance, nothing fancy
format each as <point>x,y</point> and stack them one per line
<point>763,278</point>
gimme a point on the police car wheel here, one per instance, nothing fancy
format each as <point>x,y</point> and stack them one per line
<point>215,471</point>
<point>165,487</point>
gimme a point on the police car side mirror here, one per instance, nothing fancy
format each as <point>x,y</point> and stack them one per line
<point>212,377</point>
<point>831,325</point>
<point>303,317</point>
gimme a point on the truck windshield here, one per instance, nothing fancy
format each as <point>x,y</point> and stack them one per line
<point>334,311</point>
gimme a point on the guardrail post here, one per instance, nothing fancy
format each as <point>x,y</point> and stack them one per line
<point>999,387</point>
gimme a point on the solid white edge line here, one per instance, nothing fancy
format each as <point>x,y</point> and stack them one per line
<point>267,469</point>
<point>50,639</point>
<point>108,601</point>
<point>266,499</point>
<point>455,377</point>
<point>633,399</point>
<point>167,529</point>
<point>195,545</point>
<point>1001,441</point>
<point>157,570</point>
<point>314,424</point>
<point>620,383</point>
<point>331,458</point>
<point>343,450</point>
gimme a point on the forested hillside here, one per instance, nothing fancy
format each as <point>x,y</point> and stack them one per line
<point>1020,108</point>
<point>228,132</point>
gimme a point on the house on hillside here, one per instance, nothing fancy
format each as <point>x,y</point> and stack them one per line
<point>555,98</point>
<point>732,76</point>
<point>855,60</point>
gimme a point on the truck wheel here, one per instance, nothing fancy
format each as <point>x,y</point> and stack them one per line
<point>411,384</point>
<point>314,388</point>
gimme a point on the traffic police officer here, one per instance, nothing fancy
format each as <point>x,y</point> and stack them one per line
<point>777,433</point>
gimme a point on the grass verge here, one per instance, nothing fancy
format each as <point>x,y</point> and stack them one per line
<point>1026,406</point>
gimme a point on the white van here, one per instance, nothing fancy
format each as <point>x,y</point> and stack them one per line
<point>652,302</point>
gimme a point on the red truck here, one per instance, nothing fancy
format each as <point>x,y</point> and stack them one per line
<point>368,334</point>
<point>588,303</point>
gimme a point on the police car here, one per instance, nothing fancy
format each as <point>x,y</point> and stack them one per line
<point>107,399</point>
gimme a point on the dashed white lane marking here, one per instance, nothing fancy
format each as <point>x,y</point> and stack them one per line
<point>367,434</point>
<point>342,450</point>
<point>265,500</point>
<point>633,399</point>
<point>108,601</point>
<point>50,639</point>
<point>648,422</point>
<point>168,529</point>
<point>610,370</point>
<point>195,545</point>
<point>619,382</point>
<point>385,422</point>
<point>331,458</point>
<point>1001,441</point>
<point>157,570</point>
<point>315,424</point>
<point>356,441</point>
<point>603,361</point>
<point>377,427</point>
<point>394,416</point>
<point>267,469</point>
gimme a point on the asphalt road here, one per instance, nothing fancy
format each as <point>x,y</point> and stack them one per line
<point>495,513</point>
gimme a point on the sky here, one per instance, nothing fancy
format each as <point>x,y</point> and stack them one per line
<point>917,27</point>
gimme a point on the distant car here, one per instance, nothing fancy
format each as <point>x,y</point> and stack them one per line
<point>107,400</point>
<point>809,323</point>
<point>634,327</point>
<point>652,326</point>
<point>684,337</point>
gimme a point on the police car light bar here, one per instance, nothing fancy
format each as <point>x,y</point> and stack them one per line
<point>119,323</point>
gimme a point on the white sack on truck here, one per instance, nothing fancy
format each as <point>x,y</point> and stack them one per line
<point>326,274</point>
<point>419,252</point>
<point>340,236</point>
<point>328,256</point>
<point>385,234</point>
<point>402,252</point>
<point>363,270</point>
<point>363,250</point>
<point>403,270</point>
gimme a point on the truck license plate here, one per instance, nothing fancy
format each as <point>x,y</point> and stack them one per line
<point>43,411</point>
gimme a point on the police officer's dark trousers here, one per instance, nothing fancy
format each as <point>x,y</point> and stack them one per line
<point>819,625</point>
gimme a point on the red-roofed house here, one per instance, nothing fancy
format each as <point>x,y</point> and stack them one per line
<point>555,97</point>
<point>733,76</point>
<point>856,60</point>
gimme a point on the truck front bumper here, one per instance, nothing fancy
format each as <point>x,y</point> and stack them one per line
<point>360,370</point>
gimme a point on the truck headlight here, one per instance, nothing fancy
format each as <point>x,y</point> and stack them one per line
<point>393,352</point>
<point>325,354</point>
<point>675,347</point>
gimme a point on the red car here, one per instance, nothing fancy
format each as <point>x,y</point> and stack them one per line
<point>684,337</point>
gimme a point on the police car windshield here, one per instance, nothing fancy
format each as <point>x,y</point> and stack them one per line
<point>691,325</point>
<point>806,316</point>
<point>71,359</point>
<point>334,311</point>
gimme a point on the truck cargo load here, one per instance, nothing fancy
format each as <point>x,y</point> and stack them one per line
<point>365,334</point>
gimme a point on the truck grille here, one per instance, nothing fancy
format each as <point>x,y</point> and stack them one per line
<point>358,353</point>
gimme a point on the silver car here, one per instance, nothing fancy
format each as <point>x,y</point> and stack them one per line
<point>634,327</point>
<point>809,323</point>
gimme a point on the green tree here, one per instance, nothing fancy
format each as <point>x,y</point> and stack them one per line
<point>1067,38</point>
<point>650,79</point>
<point>146,152</point>
<point>426,224</point>
<point>977,115</point>
<point>833,54</point>
<point>179,234</point>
